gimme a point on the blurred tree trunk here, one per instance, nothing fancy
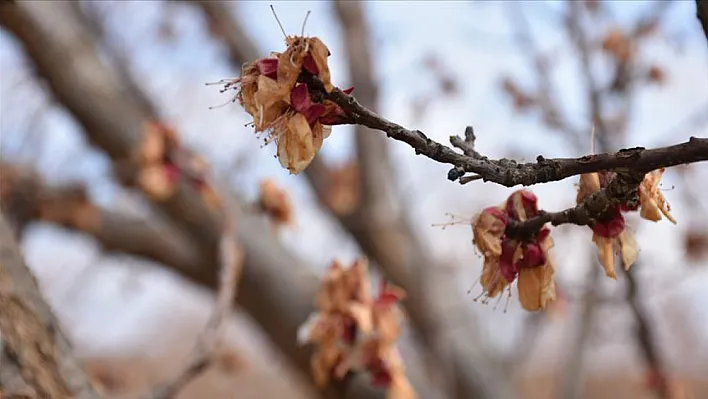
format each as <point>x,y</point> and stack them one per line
<point>36,359</point>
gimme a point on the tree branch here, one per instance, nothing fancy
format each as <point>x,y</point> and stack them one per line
<point>510,173</point>
<point>31,332</point>
<point>702,15</point>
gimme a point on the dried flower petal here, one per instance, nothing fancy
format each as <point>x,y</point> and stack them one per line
<point>492,280</point>
<point>301,102</point>
<point>319,53</point>
<point>269,103</point>
<point>295,143</point>
<point>511,253</point>
<point>588,184</point>
<point>290,62</point>
<point>488,228</point>
<point>606,253</point>
<point>522,205</point>
<point>275,202</point>
<point>652,201</point>
<point>628,249</point>
<point>536,287</point>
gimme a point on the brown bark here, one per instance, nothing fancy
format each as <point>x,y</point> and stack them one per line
<point>702,15</point>
<point>276,289</point>
<point>35,346</point>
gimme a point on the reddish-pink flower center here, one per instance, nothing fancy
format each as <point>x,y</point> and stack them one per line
<point>302,103</point>
<point>506,260</point>
<point>610,226</point>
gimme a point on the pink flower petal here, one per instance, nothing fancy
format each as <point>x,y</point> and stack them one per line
<point>301,102</point>
<point>309,64</point>
<point>506,265</point>
<point>268,67</point>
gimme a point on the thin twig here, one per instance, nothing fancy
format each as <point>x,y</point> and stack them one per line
<point>230,268</point>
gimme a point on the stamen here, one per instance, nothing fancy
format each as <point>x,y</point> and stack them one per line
<point>278,21</point>
<point>302,33</point>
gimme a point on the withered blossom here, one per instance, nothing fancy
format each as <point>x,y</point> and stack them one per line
<point>355,331</point>
<point>269,91</point>
<point>609,232</point>
<point>507,259</point>
<point>275,202</point>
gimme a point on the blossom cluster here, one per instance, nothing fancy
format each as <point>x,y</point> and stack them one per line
<point>355,331</point>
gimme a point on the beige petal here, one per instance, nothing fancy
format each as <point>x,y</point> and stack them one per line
<point>491,279</point>
<point>606,254</point>
<point>362,314</point>
<point>319,53</point>
<point>295,146</point>
<point>536,287</point>
<point>588,184</point>
<point>487,231</point>
<point>290,62</point>
<point>628,249</point>
<point>653,203</point>
<point>269,103</point>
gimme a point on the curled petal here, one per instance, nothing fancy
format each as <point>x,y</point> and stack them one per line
<point>536,287</point>
<point>268,67</point>
<point>488,228</point>
<point>606,254</point>
<point>522,205</point>
<point>290,62</point>
<point>588,184</point>
<point>319,54</point>
<point>295,143</point>
<point>268,103</point>
<point>652,201</point>
<point>309,65</point>
<point>628,249</point>
<point>491,279</point>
